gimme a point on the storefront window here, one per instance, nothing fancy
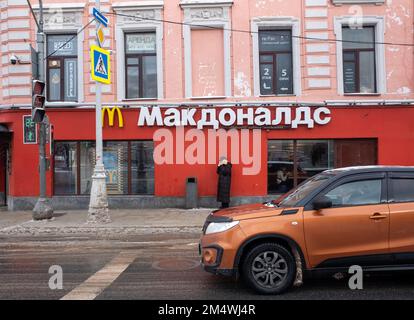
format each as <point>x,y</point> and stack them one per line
<point>142,167</point>
<point>115,158</point>
<point>290,162</point>
<point>87,164</point>
<point>65,175</point>
<point>313,156</point>
<point>128,166</point>
<point>280,166</point>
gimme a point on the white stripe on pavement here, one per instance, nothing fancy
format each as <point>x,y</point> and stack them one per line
<point>102,279</point>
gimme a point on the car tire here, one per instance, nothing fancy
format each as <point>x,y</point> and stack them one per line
<point>269,268</point>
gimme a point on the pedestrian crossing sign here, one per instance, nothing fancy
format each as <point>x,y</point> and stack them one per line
<point>100,65</point>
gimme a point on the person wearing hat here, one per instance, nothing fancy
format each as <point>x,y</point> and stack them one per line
<point>224,182</point>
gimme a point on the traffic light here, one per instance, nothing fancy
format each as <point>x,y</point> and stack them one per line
<point>38,101</point>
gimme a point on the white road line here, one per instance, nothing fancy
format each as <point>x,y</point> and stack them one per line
<point>102,279</point>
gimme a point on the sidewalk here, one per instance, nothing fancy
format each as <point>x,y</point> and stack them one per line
<point>124,222</point>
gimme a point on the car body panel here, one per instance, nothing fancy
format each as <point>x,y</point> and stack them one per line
<point>249,211</point>
<point>341,232</point>
<point>402,227</point>
<point>229,241</point>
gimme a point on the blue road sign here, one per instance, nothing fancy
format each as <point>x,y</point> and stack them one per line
<point>101,68</point>
<point>100,17</point>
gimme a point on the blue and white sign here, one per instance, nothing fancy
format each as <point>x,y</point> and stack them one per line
<point>100,17</point>
<point>101,68</point>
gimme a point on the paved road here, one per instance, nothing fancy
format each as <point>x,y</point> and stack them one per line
<point>156,267</point>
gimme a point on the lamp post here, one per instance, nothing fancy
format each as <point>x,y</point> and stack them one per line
<point>98,205</point>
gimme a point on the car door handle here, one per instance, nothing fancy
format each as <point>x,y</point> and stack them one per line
<point>378,216</point>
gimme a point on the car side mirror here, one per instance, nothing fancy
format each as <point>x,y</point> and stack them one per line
<point>322,203</point>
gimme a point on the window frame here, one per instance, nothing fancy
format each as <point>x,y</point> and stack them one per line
<point>125,24</point>
<point>277,23</point>
<point>295,159</point>
<point>357,54</point>
<point>380,67</point>
<point>274,55</point>
<point>62,59</point>
<point>332,143</point>
<point>354,178</point>
<point>196,21</point>
<point>140,66</point>
<point>78,168</point>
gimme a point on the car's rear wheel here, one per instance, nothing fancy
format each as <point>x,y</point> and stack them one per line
<point>269,268</point>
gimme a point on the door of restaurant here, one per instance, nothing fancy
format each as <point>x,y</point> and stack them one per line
<point>355,152</point>
<point>4,167</point>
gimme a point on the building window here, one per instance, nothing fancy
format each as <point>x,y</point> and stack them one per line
<point>276,66</point>
<point>290,162</point>
<point>359,60</point>
<point>62,68</point>
<point>129,167</point>
<point>140,65</point>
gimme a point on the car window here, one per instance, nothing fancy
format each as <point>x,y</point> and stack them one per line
<point>291,198</point>
<point>403,190</point>
<point>356,193</point>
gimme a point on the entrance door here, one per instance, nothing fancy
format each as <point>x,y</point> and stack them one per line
<point>355,152</point>
<point>4,151</point>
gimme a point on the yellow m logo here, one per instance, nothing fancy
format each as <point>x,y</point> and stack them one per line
<point>111,115</point>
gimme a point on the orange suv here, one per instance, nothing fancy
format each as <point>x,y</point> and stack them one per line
<point>350,216</point>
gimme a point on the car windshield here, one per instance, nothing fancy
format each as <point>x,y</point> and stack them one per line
<point>291,198</point>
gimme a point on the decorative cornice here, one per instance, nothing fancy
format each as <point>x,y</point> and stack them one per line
<point>138,15</point>
<point>61,6</point>
<point>205,3</point>
<point>61,15</point>
<point>146,4</point>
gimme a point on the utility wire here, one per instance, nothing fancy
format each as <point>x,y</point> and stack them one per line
<point>71,38</point>
<point>256,32</point>
<point>33,14</point>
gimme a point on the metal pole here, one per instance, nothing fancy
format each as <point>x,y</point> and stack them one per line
<point>42,209</point>
<point>98,205</point>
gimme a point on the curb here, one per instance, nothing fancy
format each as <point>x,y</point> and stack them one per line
<point>97,231</point>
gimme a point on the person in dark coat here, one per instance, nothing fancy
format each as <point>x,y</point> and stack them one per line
<point>224,182</point>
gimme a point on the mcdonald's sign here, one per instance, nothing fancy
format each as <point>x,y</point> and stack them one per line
<point>111,115</point>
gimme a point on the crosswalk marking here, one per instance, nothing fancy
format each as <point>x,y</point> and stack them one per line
<point>102,279</point>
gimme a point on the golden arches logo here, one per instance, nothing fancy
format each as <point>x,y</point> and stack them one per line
<point>111,115</point>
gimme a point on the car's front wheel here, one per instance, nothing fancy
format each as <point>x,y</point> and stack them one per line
<point>269,268</point>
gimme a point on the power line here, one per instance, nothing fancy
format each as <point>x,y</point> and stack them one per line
<point>70,39</point>
<point>256,32</point>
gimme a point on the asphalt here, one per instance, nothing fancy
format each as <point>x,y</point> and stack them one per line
<point>142,254</point>
<point>161,266</point>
